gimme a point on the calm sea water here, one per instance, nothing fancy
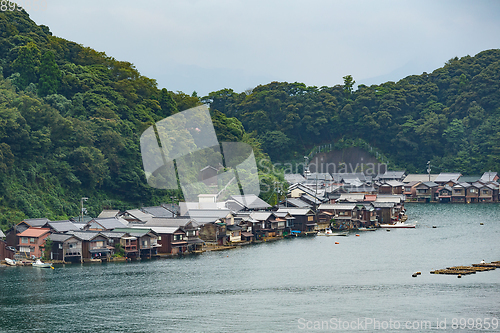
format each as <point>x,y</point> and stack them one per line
<point>293,285</point>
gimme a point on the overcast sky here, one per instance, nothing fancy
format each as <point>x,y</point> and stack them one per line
<point>207,45</point>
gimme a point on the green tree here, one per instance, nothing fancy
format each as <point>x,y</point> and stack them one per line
<point>276,144</point>
<point>27,64</point>
<point>89,165</point>
<point>167,103</point>
<point>348,85</point>
<point>49,75</point>
<point>47,249</point>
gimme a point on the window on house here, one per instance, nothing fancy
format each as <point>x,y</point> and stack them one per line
<point>486,192</point>
<point>32,240</point>
<point>24,240</point>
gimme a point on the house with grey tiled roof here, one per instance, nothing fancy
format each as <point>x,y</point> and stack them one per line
<point>66,247</point>
<point>426,191</point>
<point>158,211</point>
<point>490,177</point>
<point>105,224</point>
<point>95,245</point>
<point>447,177</point>
<point>61,226</point>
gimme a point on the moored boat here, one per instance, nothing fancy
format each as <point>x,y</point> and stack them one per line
<point>398,225</point>
<point>339,233</point>
<point>40,264</point>
<point>10,262</point>
<point>329,232</point>
<point>367,229</point>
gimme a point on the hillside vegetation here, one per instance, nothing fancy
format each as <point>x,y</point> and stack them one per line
<point>70,123</point>
<point>71,118</point>
<point>450,116</point>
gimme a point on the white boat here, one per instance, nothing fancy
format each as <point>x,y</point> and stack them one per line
<point>329,232</point>
<point>10,262</point>
<point>339,233</point>
<point>40,264</point>
<point>398,225</point>
<point>367,229</point>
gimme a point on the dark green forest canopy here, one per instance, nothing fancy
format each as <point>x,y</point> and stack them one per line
<point>70,123</point>
<point>71,118</point>
<point>450,116</point>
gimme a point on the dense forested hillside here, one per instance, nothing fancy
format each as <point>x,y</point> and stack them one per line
<point>450,116</point>
<point>70,122</point>
<point>71,118</point>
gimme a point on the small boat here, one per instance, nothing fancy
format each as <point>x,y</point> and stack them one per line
<point>40,264</point>
<point>398,225</point>
<point>339,233</point>
<point>367,229</point>
<point>329,232</point>
<point>10,262</point>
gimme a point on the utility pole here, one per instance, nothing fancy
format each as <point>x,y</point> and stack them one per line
<point>429,169</point>
<point>81,210</point>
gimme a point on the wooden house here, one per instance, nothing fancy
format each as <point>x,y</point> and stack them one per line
<point>61,226</point>
<point>214,232</point>
<point>250,202</point>
<point>490,177</point>
<point>304,220</point>
<point>147,240</point>
<point>260,224</point>
<point>136,216</point>
<point>392,175</point>
<point>414,177</point>
<point>447,178</point>
<point>391,187</point>
<point>160,211</point>
<point>4,251</point>
<point>343,214</point>
<point>384,211</point>
<point>233,233</point>
<point>459,191</point>
<point>130,246</point>
<point>32,240</point>
<point>365,215</point>
<point>105,224</point>
<point>171,240</point>
<point>11,235</point>
<point>486,192</point>
<point>324,220</point>
<point>409,189</point>
<point>66,247</point>
<point>472,192</point>
<point>445,193</point>
<point>94,245</point>
<point>426,191</point>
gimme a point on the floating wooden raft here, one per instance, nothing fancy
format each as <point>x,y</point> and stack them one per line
<point>453,272</point>
<point>491,265</point>
<point>466,270</point>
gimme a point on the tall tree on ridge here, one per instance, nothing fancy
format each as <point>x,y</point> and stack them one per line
<point>49,75</point>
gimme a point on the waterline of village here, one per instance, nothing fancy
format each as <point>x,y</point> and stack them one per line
<point>288,285</point>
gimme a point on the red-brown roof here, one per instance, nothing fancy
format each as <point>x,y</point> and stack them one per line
<point>34,232</point>
<point>370,197</point>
